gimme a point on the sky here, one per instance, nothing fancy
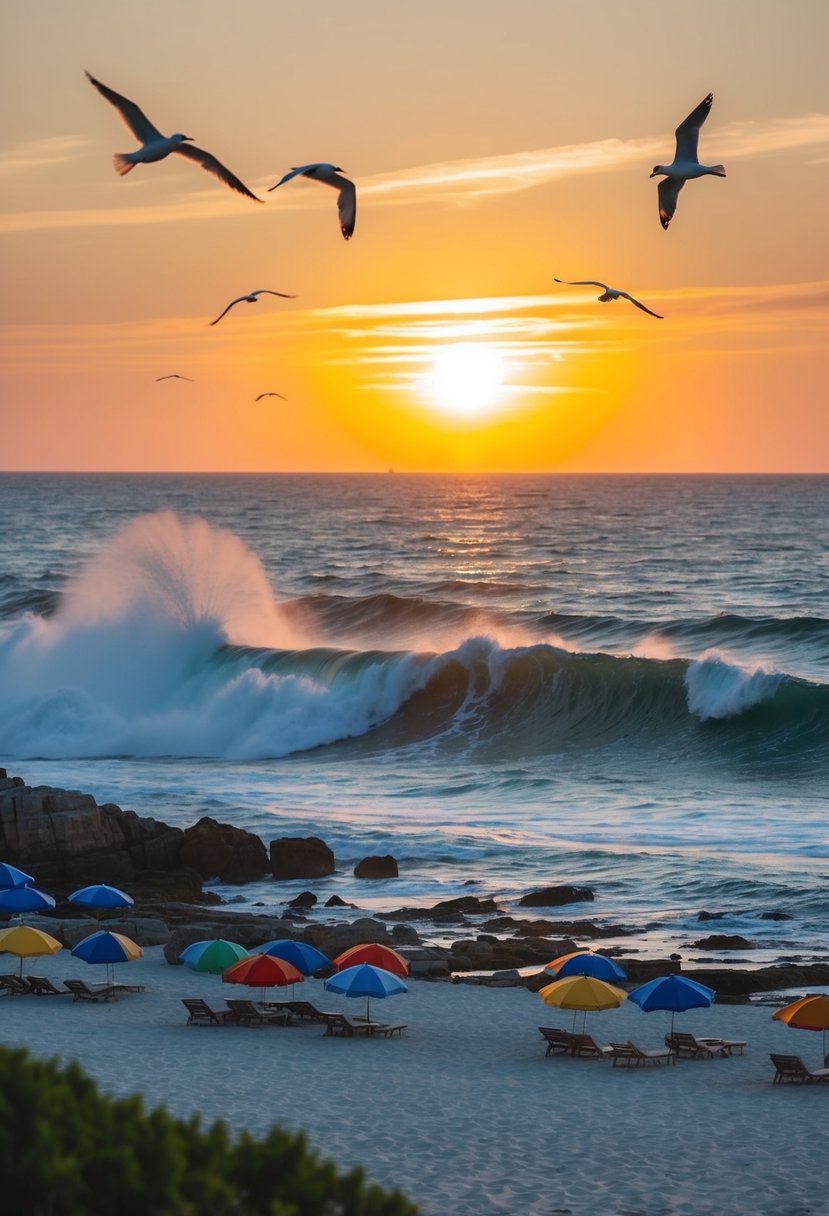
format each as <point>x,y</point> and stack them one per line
<point>495,147</point>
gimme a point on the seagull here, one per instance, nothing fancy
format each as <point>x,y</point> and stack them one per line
<point>174,376</point>
<point>330,174</point>
<point>156,146</point>
<point>252,298</point>
<point>685,163</point>
<point>279,395</point>
<point>609,293</point>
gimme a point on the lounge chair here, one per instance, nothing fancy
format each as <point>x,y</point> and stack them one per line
<point>631,1056</point>
<point>41,986</point>
<point>14,985</point>
<point>342,1024</point>
<point>245,1013</point>
<point>792,1068</point>
<point>82,991</point>
<point>304,1010</point>
<point>689,1047</point>
<point>585,1045</point>
<point>559,1042</point>
<point>200,1013</point>
<point>385,1030</point>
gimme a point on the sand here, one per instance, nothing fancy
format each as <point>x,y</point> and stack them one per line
<point>464,1112</point>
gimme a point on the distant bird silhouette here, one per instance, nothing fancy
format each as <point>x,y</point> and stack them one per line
<point>155,146</point>
<point>251,298</point>
<point>685,164</point>
<point>609,293</point>
<point>330,175</point>
<point>174,376</point>
<point>279,395</point>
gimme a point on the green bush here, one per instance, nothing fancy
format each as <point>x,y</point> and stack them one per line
<point>68,1150</point>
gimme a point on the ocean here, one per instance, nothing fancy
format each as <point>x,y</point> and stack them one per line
<point>504,681</point>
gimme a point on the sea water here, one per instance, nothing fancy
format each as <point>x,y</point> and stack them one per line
<point>504,681</point>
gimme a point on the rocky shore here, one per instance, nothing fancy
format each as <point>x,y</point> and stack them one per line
<point>65,840</point>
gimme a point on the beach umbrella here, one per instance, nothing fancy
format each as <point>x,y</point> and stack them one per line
<point>366,980</point>
<point>263,971</point>
<point>24,899</point>
<point>376,954</point>
<point>10,876</point>
<point>675,993</point>
<point>26,942</point>
<point>100,896</point>
<point>305,958</point>
<point>213,956</point>
<point>584,962</point>
<point>810,1012</point>
<point>109,948</point>
<point>582,992</point>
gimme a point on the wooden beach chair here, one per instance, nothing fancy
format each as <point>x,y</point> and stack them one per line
<point>559,1042</point>
<point>385,1030</point>
<point>200,1014</point>
<point>304,1010</point>
<point>630,1056</point>
<point>689,1047</point>
<point>341,1024</point>
<point>792,1068</point>
<point>585,1046</point>
<point>82,991</point>
<point>245,1013</point>
<point>14,985</point>
<point>40,985</point>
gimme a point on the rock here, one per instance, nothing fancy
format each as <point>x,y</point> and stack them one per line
<point>336,902</point>
<point>376,867</point>
<point>711,915</point>
<point>466,903</point>
<point>219,850</point>
<point>552,897</point>
<point>775,916</point>
<point>405,935</point>
<point>341,937</point>
<point>298,857</point>
<point>724,941</point>
<point>306,900</point>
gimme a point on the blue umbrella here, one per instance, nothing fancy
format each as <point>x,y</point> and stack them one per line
<point>365,980</point>
<point>671,992</point>
<point>109,948</point>
<point>598,966</point>
<point>24,899</point>
<point>305,958</point>
<point>101,896</point>
<point>10,876</point>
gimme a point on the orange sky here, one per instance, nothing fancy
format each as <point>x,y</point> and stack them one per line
<point>494,147</point>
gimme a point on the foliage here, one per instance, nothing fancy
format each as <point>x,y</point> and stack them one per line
<point>66,1149</point>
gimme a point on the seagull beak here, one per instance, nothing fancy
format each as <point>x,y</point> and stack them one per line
<point>190,138</point>
<point>653,174</point>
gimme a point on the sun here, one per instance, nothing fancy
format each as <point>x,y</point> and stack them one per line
<point>466,378</point>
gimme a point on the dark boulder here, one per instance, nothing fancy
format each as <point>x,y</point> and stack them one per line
<point>724,941</point>
<point>306,900</point>
<point>466,903</point>
<point>219,850</point>
<point>552,897</point>
<point>775,916</point>
<point>336,902</point>
<point>376,867</point>
<point>710,915</point>
<point>301,857</point>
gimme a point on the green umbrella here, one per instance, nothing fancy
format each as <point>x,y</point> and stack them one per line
<point>213,956</point>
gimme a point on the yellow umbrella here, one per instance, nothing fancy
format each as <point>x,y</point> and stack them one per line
<point>809,1012</point>
<point>582,992</point>
<point>25,942</point>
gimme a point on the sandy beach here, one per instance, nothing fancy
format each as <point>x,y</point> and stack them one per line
<point>463,1112</point>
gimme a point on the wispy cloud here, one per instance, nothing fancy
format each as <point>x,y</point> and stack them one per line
<point>457,181</point>
<point>40,153</point>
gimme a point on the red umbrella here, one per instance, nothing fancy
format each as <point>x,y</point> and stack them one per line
<point>376,955</point>
<point>263,971</point>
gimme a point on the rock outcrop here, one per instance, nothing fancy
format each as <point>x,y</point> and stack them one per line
<point>219,850</point>
<point>298,857</point>
<point>377,867</point>
<point>552,897</point>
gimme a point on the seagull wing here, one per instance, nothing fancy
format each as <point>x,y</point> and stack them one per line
<point>346,202</point>
<point>294,173</point>
<point>131,115</point>
<point>215,167</point>
<point>279,395</point>
<point>173,376</point>
<point>642,306</point>
<point>687,133</point>
<point>668,191</point>
<point>266,291</point>
<point>227,310</point>
<point>583,283</point>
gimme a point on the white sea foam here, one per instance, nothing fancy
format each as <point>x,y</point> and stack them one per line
<point>720,688</point>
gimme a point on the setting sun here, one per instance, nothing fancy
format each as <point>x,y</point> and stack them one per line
<point>466,378</point>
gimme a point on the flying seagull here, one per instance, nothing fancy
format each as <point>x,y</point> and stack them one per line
<point>685,164</point>
<point>330,174</point>
<point>156,146</point>
<point>609,294</point>
<point>252,298</point>
<point>279,395</point>
<point>173,376</point>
